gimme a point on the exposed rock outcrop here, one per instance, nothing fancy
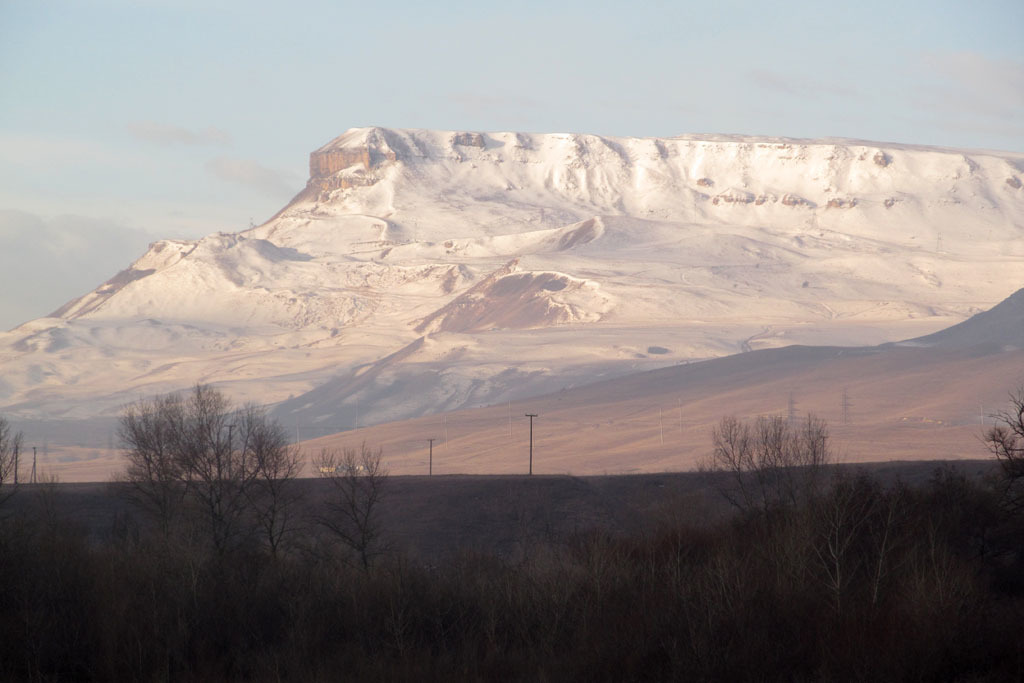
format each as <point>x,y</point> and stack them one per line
<point>841,203</point>
<point>469,140</point>
<point>794,200</point>
<point>734,196</point>
<point>333,160</point>
<point>351,164</point>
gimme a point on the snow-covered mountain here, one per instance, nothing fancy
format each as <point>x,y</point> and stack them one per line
<point>428,270</point>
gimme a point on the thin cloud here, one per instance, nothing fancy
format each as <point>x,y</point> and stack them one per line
<point>480,103</point>
<point>44,151</point>
<point>970,83</point>
<point>798,86</point>
<point>46,262</point>
<point>163,134</point>
<point>253,175</point>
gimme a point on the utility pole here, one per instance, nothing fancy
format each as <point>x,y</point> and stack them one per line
<point>430,470</point>
<point>661,425</point>
<point>510,419</point>
<point>33,465</point>
<point>791,411</point>
<point>531,416</point>
<point>846,407</point>
<point>680,416</point>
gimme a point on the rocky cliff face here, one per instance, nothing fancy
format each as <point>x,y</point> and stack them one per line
<point>329,162</point>
<point>346,163</point>
<point>350,160</point>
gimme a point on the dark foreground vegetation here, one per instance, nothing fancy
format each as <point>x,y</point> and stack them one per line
<point>819,574</point>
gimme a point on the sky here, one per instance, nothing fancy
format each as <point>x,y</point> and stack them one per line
<point>126,122</point>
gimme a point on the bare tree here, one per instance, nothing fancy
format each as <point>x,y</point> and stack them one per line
<point>214,461</point>
<point>841,516</point>
<point>1006,441</point>
<point>229,468</point>
<point>888,536</point>
<point>10,448</point>
<point>771,462</point>
<point>149,433</point>
<point>275,465</point>
<point>352,510</point>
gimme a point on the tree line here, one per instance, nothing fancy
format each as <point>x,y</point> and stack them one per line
<point>221,570</point>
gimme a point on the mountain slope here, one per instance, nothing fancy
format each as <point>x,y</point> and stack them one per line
<point>508,264</point>
<point>904,401</point>
<point>1001,327</point>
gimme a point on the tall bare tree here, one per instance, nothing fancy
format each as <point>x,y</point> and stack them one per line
<point>771,462</point>
<point>155,476</point>
<point>352,510</point>
<point>1005,440</point>
<point>228,468</point>
<point>214,462</point>
<point>10,448</point>
<point>275,465</point>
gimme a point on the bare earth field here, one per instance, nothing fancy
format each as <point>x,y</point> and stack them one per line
<point>903,404</point>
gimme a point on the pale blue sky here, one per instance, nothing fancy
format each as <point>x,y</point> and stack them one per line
<point>121,122</point>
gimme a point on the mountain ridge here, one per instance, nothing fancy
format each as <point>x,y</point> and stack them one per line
<point>701,247</point>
